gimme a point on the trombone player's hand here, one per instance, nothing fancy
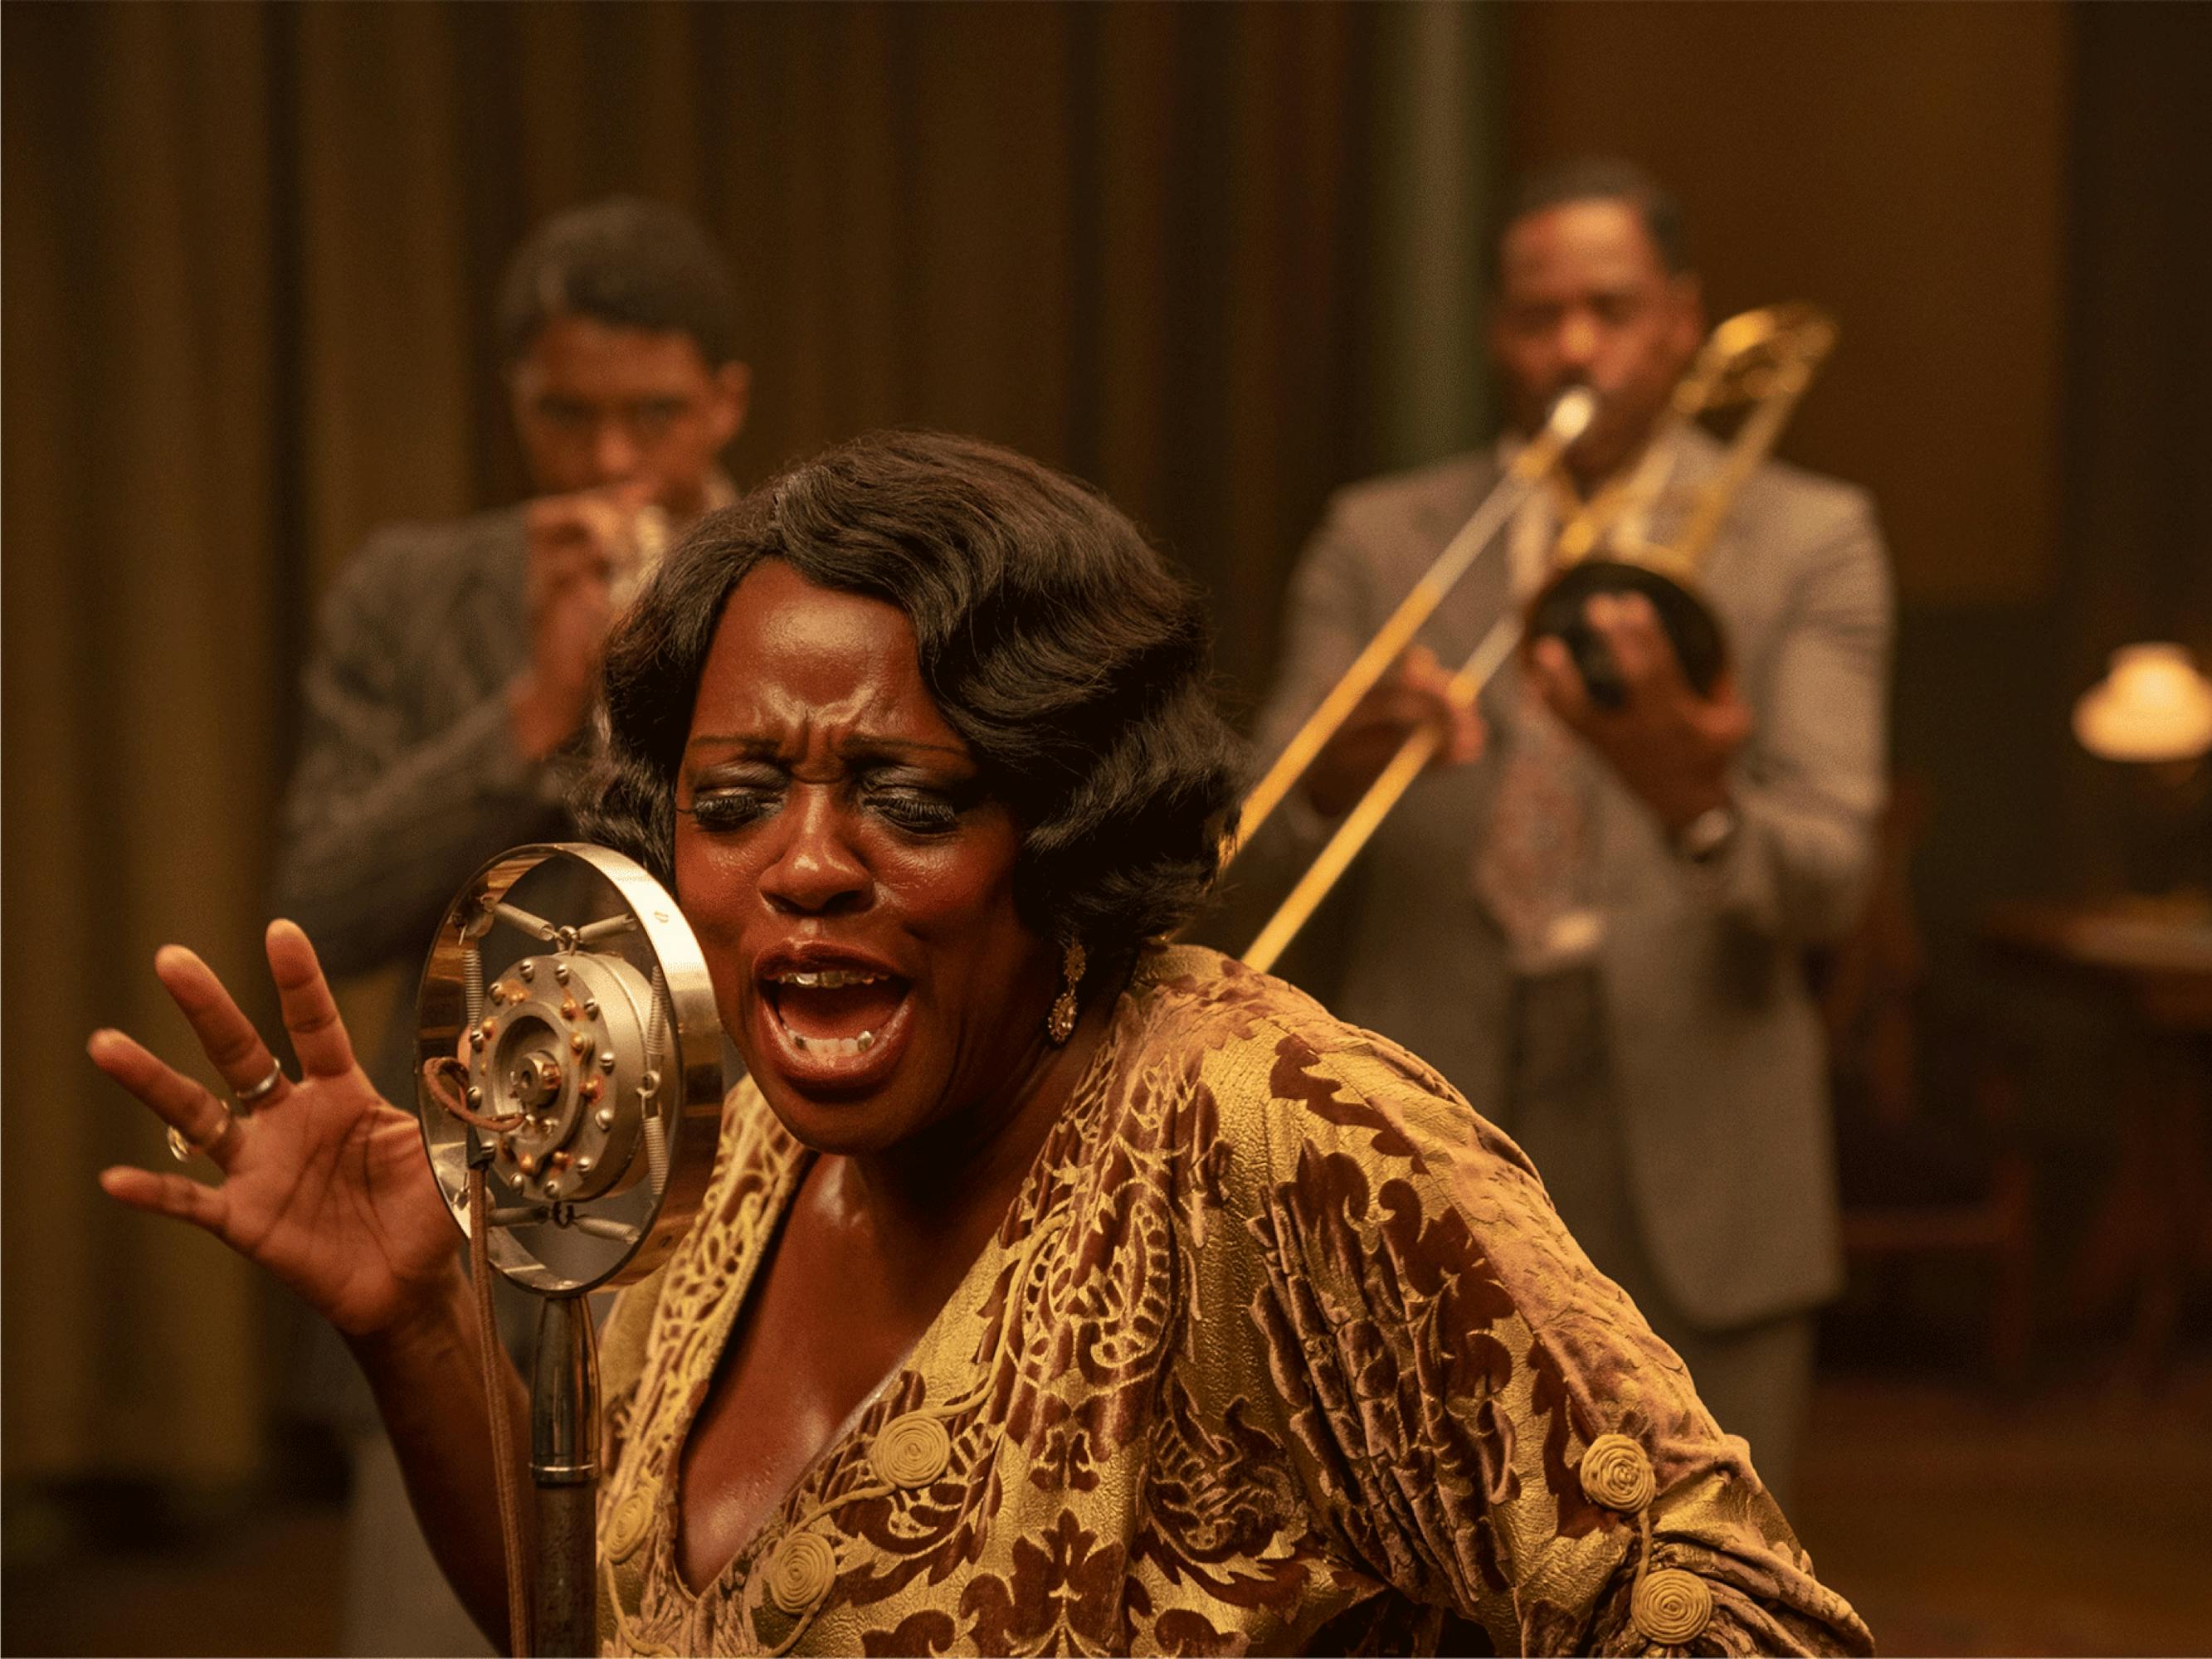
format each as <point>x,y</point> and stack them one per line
<point>1414,693</point>
<point>1670,746</point>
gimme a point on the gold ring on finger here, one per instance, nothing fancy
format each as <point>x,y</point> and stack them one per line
<point>185,1151</point>
<point>255,1094</point>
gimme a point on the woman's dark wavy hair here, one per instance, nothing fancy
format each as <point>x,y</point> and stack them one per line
<point>1057,642</point>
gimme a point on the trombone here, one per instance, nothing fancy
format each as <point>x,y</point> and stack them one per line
<point>1761,359</point>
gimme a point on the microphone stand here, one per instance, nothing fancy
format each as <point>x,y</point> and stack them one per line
<point>564,1465</point>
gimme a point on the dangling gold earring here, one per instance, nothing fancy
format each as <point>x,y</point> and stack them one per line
<point>1060,1025</point>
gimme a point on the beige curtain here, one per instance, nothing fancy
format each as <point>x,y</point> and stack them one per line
<point>143,615</point>
<point>250,252</point>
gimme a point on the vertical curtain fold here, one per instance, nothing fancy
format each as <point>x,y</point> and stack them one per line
<point>139,704</point>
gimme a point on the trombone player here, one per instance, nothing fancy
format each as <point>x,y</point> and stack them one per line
<point>1593,918</point>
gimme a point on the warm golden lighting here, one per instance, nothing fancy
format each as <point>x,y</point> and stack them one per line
<point>2153,706</point>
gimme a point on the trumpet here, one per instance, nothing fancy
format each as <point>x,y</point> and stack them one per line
<point>650,534</point>
<point>1761,362</point>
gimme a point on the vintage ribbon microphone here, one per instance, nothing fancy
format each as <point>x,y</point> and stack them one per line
<point>570,1062</point>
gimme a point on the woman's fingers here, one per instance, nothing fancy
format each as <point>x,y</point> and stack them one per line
<point>166,1195</point>
<point>185,1106</point>
<point>226,1036</point>
<point>310,1013</point>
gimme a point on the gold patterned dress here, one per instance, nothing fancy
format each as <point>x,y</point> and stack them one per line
<point>1280,1348</point>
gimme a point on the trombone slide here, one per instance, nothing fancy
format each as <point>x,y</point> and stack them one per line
<point>1366,818</point>
<point>1570,415</point>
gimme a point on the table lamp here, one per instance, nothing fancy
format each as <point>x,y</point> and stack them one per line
<point>2154,710</point>
<point>2153,706</point>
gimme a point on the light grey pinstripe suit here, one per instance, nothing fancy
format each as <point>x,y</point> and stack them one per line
<point>1712,1053</point>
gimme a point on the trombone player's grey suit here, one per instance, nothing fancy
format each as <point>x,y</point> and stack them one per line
<point>1712,1064</point>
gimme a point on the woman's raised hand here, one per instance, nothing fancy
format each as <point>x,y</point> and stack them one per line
<point>325,1184</point>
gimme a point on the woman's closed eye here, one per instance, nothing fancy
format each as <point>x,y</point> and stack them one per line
<point>917,810</point>
<point>732,806</point>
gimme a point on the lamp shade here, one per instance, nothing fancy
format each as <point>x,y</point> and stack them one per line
<point>2153,706</point>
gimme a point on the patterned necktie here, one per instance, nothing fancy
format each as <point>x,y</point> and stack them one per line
<point>1531,869</point>
<point>1535,869</point>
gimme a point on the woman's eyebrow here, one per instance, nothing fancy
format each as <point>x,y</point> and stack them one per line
<point>866,743</point>
<point>747,743</point>
<point>863,743</point>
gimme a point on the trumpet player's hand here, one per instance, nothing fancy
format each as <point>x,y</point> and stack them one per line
<point>578,545</point>
<point>1414,693</point>
<point>324,1184</point>
<point>1670,746</point>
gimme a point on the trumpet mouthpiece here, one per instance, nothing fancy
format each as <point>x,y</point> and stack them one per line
<point>1571,415</point>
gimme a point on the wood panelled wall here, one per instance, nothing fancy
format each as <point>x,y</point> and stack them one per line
<point>2006,205</point>
<point>1905,165</point>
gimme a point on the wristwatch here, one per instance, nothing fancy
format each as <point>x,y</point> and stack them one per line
<point>1705,837</point>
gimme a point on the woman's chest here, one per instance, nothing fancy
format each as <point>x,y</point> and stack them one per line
<point>824,1329</point>
<point>1158,1516</point>
<point>1084,1445</point>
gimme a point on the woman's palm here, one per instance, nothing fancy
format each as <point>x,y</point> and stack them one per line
<point>332,1192</point>
<point>326,1184</point>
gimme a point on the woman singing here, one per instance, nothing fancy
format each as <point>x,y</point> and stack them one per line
<point>1059,1288</point>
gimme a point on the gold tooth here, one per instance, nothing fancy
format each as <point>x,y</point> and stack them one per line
<point>827,978</point>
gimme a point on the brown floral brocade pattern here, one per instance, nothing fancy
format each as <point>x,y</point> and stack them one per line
<point>1279,1347</point>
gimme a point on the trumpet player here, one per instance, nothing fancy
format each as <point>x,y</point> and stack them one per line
<point>1592,917</point>
<point>448,688</point>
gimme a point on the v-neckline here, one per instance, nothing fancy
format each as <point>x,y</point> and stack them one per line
<point>971,1293</point>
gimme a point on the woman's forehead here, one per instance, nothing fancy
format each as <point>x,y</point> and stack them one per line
<point>788,654</point>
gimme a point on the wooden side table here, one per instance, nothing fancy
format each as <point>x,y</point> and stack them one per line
<point>2152,961</point>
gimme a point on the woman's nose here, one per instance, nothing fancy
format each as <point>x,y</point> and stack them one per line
<point>814,869</point>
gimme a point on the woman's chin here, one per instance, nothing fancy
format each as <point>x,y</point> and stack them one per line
<point>841,1128</point>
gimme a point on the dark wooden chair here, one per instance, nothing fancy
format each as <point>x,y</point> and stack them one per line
<point>1928,1152</point>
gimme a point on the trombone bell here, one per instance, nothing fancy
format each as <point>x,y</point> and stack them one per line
<point>1687,620</point>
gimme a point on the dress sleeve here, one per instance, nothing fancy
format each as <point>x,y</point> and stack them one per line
<point>1491,1427</point>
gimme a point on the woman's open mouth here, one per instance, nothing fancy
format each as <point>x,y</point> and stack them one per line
<point>836,1025</point>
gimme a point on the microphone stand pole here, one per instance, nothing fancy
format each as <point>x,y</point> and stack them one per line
<point>564,1465</point>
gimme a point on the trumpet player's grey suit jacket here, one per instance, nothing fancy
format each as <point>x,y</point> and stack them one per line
<point>1715,1048</point>
<point>408,776</point>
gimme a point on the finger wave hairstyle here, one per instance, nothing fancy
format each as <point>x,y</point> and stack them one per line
<point>1057,642</point>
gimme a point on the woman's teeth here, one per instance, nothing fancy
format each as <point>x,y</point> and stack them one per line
<point>851,1045</point>
<point>833,1012</point>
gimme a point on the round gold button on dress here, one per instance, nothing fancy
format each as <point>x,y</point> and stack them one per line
<point>912,1450</point>
<point>1670,1607</point>
<point>627,1526</point>
<point>802,1572</point>
<point>1615,1472</point>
